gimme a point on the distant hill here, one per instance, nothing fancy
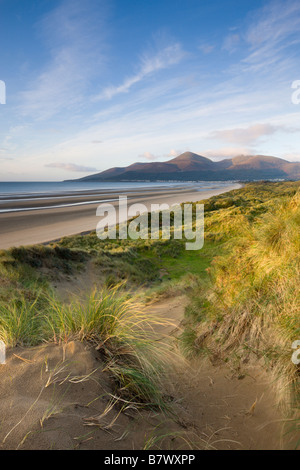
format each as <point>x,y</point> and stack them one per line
<point>192,167</point>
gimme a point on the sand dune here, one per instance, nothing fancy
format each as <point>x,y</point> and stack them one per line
<point>58,397</point>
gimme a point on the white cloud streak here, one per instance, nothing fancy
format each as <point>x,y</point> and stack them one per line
<point>149,156</point>
<point>227,152</point>
<point>240,103</point>
<point>73,57</point>
<point>251,134</point>
<point>273,31</point>
<point>70,167</point>
<point>165,58</point>
<point>231,43</point>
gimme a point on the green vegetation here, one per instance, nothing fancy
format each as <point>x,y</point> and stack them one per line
<point>249,307</point>
<point>243,289</point>
<point>115,324</point>
<point>137,261</point>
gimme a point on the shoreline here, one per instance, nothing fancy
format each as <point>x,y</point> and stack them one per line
<point>43,224</point>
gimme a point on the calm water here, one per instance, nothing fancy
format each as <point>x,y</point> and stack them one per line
<point>27,196</point>
<point>55,188</point>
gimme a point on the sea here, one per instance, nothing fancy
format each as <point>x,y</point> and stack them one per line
<point>14,192</point>
<point>57,187</point>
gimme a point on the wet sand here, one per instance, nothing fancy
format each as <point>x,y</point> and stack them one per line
<point>41,219</point>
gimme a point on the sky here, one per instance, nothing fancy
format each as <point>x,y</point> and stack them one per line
<point>86,86</point>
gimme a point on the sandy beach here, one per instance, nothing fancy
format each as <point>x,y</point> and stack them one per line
<point>41,219</point>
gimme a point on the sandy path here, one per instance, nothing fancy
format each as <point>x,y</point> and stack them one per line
<point>41,226</point>
<point>219,408</point>
<point>50,396</point>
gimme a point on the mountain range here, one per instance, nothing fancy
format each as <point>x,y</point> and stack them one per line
<point>192,167</point>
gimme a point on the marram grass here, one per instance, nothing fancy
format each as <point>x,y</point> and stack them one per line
<point>251,306</point>
<point>245,303</point>
<point>114,323</point>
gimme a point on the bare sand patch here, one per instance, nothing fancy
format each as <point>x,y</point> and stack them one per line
<point>59,397</point>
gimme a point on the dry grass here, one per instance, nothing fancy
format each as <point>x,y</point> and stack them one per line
<point>250,309</point>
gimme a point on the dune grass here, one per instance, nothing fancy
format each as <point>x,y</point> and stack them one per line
<point>124,335</point>
<point>113,323</point>
<point>243,286</point>
<point>20,323</point>
<point>249,308</point>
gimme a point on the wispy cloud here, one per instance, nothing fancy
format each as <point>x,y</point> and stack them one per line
<point>273,23</point>
<point>174,153</point>
<point>71,167</point>
<point>149,156</point>
<point>292,157</point>
<point>206,48</point>
<point>238,105</point>
<point>73,57</point>
<point>231,42</point>
<point>251,134</point>
<point>163,59</point>
<point>227,152</point>
<point>272,34</point>
<point>4,158</point>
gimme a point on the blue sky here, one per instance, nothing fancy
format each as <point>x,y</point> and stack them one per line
<point>102,83</point>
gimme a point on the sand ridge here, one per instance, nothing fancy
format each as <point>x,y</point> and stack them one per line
<point>59,396</point>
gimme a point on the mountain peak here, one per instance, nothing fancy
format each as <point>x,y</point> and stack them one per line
<point>190,156</point>
<point>190,161</point>
<point>258,161</point>
<point>191,166</point>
